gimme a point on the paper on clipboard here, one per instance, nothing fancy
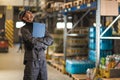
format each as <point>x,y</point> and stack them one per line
<point>38,30</point>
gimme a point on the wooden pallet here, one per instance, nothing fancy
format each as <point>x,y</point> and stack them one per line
<point>61,69</point>
<point>58,54</point>
<point>78,76</point>
<point>56,66</point>
<point>74,76</point>
<point>110,78</point>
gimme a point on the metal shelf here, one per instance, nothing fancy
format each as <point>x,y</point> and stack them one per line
<point>82,7</point>
<point>85,7</point>
<point>74,35</point>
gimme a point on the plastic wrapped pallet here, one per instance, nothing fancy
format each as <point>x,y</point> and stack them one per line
<point>78,66</point>
<point>77,41</point>
<point>77,51</point>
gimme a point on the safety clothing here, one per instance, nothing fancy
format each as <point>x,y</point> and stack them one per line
<point>34,57</point>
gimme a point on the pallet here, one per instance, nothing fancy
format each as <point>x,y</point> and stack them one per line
<point>58,54</point>
<point>56,66</point>
<point>61,69</point>
<point>74,76</point>
<point>78,76</point>
<point>110,78</point>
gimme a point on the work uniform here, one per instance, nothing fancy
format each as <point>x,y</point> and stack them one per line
<point>34,58</point>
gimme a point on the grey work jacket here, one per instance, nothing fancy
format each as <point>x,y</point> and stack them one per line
<point>34,47</point>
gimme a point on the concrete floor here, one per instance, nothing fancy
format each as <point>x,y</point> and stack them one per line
<point>11,67</point>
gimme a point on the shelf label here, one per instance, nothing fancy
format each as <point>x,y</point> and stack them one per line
<point>78,7</point>
<point>69,9</point>
<point>88,5</point>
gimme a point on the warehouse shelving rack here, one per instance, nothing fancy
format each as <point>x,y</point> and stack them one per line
<point>88,7</point>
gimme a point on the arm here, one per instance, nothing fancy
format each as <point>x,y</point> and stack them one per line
<point>45,41</point>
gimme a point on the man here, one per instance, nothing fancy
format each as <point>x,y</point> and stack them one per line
<point>34,59</point>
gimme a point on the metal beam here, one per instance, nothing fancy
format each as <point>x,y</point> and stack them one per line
<point>109,37</point>
<point>98,20</point>
<point>110,26</point>
<point>65,37</point>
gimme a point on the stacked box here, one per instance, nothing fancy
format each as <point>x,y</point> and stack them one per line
<point>58,41</point>
<point>106,45</point>
<point>92,32</point>
<point>78,45</point>
<point>81,30</point>
<point>77,41</point>
<point>77,51</point>
<point>103,53</point>
<point>110,73</point>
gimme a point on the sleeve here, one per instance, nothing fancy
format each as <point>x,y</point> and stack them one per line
<point>47,40</point>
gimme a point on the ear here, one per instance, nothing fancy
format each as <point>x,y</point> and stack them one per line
<point>24,18</point>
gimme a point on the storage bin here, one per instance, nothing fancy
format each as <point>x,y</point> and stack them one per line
<point>92,32</point>
<point>78,66</point>
<point>92,44</point>
<point>103,53</point>
<point>104,44</point>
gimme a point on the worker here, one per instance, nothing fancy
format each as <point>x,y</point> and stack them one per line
<point>34,59</point>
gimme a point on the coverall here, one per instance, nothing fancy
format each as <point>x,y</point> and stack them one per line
<point>34,57</point>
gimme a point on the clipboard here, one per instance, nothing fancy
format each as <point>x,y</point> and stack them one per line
<point>38,30</point>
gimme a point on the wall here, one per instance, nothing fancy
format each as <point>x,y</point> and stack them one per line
<point>2,9</point>
<point>11,2</point>
<point>17,2</point>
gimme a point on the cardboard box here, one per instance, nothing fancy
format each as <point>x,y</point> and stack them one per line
<point>111,73</point>
<point>109,8</point>
<point>75,3</point>
<point>68,5</point>
<point>58,5</point>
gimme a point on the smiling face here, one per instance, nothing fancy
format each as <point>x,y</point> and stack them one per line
<point>28,17</point>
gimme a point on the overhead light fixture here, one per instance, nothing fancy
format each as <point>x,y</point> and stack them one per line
<point>69,17</point>
<point>61,25</point>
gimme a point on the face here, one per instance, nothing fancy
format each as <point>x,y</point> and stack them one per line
<point>28,17</point>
